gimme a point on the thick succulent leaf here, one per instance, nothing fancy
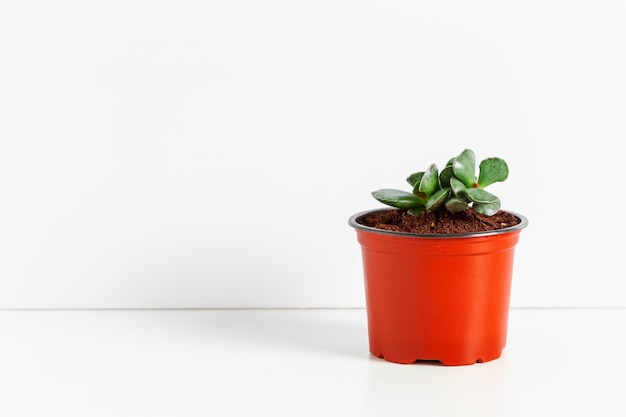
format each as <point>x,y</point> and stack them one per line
<point>492,170</point>
<point>478,195</point>
<point>430,181</point>
<point>457,187</point>
<point>445,175</point>
<point>456,204</point>
<point>488,209</point>
<point>450,162</point>
<point>415,178</point>
<point>464,167</point>
<point>415,211</point>
<point>420,195</point>
<point>398,198</point>
<point>437,199</point>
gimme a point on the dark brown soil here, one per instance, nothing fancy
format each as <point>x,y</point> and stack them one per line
<point>441,222</point>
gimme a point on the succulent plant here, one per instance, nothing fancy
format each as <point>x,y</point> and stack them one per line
<point>456,187</point>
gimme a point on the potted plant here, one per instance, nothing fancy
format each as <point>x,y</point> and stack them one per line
<point>438,265</point>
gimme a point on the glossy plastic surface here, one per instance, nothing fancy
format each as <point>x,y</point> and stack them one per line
<point>443,299</point>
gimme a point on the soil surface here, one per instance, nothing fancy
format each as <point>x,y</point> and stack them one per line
<point>440,222</point>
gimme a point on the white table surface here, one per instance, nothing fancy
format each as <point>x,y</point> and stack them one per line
<point>558,362</point>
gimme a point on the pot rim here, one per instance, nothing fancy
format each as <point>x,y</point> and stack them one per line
<point>352,221</point>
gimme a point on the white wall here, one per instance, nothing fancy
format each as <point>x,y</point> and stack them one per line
<point>208,154</point>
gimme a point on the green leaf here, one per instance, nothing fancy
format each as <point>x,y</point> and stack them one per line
<point>492,170</point>
<point>456,204</point>
<point>464,167</point>
<point>420,195</point>
<point>415,178</point>
<point>457,187</point>
<point>415,211</point>
<point>398,198</point>
<point>438,199</point>
<point>478,195</point>
<point>445,175</point>
<point>430,181</point>
<point>488,209</point>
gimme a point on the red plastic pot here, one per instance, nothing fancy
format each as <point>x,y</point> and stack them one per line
<point>437,297</point>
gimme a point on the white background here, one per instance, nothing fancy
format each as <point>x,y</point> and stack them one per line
<point>161,154</point>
